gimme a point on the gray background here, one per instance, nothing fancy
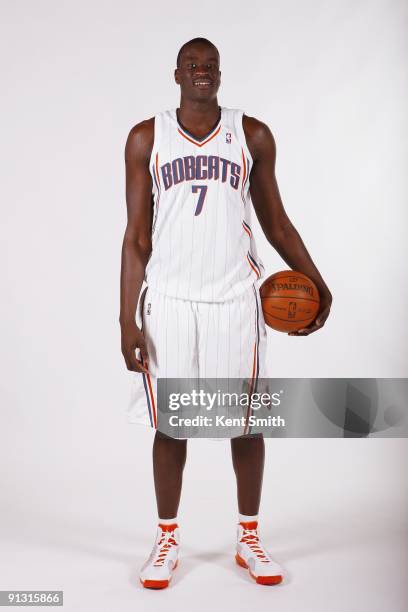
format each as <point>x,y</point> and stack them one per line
<point>78,509</point>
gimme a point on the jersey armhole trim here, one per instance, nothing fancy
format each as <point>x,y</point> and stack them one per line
<point>240,128</point>
<point>154,147</point>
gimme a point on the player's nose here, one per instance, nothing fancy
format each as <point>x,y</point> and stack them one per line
<point>201,71</point>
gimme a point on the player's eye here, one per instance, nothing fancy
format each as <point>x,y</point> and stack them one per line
<point>191,65</point>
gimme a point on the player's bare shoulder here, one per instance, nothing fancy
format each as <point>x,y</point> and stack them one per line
<point>140,140</point>
<point>259,137</point>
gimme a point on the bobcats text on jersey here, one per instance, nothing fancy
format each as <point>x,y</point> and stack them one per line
<point>200,168</point>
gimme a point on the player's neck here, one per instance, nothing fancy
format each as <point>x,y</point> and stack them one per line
<point>198,116</point>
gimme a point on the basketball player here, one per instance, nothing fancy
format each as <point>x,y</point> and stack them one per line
<point>191,174</point>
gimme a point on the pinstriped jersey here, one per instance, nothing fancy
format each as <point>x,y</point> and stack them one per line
<point>202,243</point>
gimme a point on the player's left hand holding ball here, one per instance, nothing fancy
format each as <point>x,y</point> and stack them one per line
<point>324,311</point>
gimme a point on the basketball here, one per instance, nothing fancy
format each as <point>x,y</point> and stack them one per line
<point>290,301</point>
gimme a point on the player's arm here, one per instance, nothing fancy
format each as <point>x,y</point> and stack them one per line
<point>273,219</point>
<point>137,243</point>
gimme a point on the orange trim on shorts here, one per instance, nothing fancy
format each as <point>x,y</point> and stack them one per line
<point>254,366</point>
<point>149,382</point>
<point>250,391</point>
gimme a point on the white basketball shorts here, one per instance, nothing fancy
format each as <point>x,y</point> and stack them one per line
<point>188,339</point>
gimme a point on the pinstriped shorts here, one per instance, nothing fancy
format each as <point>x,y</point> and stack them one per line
<point>187,339</point>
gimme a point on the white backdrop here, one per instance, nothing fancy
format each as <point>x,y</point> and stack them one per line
<point>328,77</point>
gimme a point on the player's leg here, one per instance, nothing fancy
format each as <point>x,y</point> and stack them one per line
<point>169,458</point>
<point>248,456</point>
<point>170,335</point>
<point>233,345</point>
<point>169,329</point>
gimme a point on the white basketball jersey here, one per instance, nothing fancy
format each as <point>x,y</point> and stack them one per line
<point>203,248</point>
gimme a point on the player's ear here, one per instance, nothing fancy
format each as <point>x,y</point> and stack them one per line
<point>176,76</point>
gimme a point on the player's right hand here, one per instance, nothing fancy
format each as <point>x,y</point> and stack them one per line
<point>133,339</point>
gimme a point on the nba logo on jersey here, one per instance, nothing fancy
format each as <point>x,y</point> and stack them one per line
<point>228,137</point>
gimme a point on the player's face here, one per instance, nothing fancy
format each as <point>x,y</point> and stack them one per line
<point>199,73</point>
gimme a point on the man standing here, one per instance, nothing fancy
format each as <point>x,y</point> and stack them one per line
<point>191,174</point>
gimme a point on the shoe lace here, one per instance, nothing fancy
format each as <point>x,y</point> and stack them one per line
<point>251,538</point>
<point>166,542</point>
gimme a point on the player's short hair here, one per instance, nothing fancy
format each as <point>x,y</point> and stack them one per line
<point>199,39</point>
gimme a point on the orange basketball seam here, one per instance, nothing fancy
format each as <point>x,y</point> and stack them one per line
<point>289,297</point>
<point>287,320</point>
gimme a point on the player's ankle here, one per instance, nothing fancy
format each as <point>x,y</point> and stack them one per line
<point>168,522</point>
<point>247,518</point>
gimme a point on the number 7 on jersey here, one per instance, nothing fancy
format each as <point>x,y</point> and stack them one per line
<point>202,191</point>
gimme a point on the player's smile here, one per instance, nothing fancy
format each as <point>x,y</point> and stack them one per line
<point>202,83</point>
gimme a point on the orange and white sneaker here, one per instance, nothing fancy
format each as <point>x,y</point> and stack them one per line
<point>156,573</point>
<point>254,557</point>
